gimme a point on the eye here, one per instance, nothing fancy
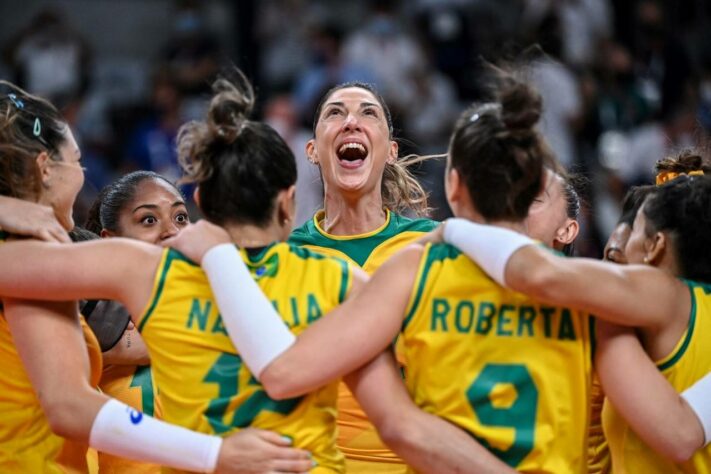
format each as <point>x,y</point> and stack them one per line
<point>333,111</point>
<point>182,218</point>
<point>148,220</point>
<point>370,111</point>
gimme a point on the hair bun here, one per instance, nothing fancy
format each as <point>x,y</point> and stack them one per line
<point>230,107</point>
<point>521,105</point>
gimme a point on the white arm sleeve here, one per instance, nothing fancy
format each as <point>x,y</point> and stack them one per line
<point>254,326</point>
<point>122,431</point>
<point>698,396</point>
<point>490,247</point>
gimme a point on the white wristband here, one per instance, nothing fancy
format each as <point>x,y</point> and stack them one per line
<point>122,431</point>
<point>698,396</point>
<point>254,326</point>
<point>490,247</point>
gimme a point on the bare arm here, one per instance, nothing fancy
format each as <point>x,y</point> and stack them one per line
<point>50,343</point>
<point>425,441</point>
<point>643,396</point>
<point>116,269</point>
<point>630,295</point>
<point>350,335</point>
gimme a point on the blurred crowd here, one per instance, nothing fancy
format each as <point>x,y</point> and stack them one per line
<point>623,83</point>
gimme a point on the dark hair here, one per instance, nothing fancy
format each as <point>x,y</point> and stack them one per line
<point>106,210</point>
<point>632,202</point>
<point>499,153</point>
<point>570,185</point>
<point>682,209</point>
<point>29,125</point>
<point>686,161</point>
<point>239,164</point>
<point>400,189</point>
<point>80,234</point>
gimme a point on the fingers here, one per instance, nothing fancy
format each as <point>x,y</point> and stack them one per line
<point>274,438</point>
<point>60,235</point>
<point>300,465</point>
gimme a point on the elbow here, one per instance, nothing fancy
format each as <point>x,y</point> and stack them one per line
<point>398,434</point>
<point>684,446</point>
<point>61,415</point>
<point>279,384</point>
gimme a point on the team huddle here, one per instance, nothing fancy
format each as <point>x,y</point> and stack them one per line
<point>363,341</point>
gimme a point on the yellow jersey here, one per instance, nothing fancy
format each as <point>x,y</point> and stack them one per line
<point>203,384</point>
<point>27,443</point>
<point>513,372</point>
<point>357,437</point>
<point>599,461</point>
<point>132,385</point>
<point>688,362</point>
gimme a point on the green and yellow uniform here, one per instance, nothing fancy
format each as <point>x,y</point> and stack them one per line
<point>27,443</point>
<point>132,385</point>
<point>512,372</point>
<point>203,384</point>
<point>357,437</point>
<point>688,362</point>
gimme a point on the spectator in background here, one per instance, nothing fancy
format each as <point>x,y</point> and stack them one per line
<point>325,69</point>
<point>281,114</point>
<point>662,62</point>
<point>383,46</point>
<point>583,24</point>
<point>192,56</point>
<point>152,143</point>
<point>50,59</point>
<point>559,88</point>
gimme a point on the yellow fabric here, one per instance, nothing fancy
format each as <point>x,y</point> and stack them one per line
<point>599,461</point>
<point>202,382</point>
<point>27,443</point>
<point>132,385</point>
<point>688,362</point>
<point>357,437</point>
<point>514,373</point>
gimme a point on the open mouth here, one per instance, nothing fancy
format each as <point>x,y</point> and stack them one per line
<point>352,154</point>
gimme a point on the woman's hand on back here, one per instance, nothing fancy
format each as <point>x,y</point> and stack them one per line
<point>196,239</point>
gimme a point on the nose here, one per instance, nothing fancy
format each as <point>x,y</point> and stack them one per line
<point>351,122</point>
<point>169,230</point>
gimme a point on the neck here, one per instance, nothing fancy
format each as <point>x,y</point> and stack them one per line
<point>249,235</point>
<point>345,216</point>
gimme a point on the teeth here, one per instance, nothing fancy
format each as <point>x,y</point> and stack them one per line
<point>346,146</point>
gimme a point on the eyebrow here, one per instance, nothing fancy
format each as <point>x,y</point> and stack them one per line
<point>155,206</point>
<point>361,106</point>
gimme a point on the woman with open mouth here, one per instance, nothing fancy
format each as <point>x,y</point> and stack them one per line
<point>365,188</point>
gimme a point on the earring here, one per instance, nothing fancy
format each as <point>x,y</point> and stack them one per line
<point>646,259</point>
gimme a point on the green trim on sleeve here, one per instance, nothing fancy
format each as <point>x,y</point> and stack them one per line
<point>689,331</point>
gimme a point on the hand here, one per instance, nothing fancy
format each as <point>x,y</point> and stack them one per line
<point>254,451</point>
<point>434,237</point>
<point>196,239</point>
<point>31,219</point>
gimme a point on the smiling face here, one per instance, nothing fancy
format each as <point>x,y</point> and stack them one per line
<point>352,142</point>
<point>156,212</point>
